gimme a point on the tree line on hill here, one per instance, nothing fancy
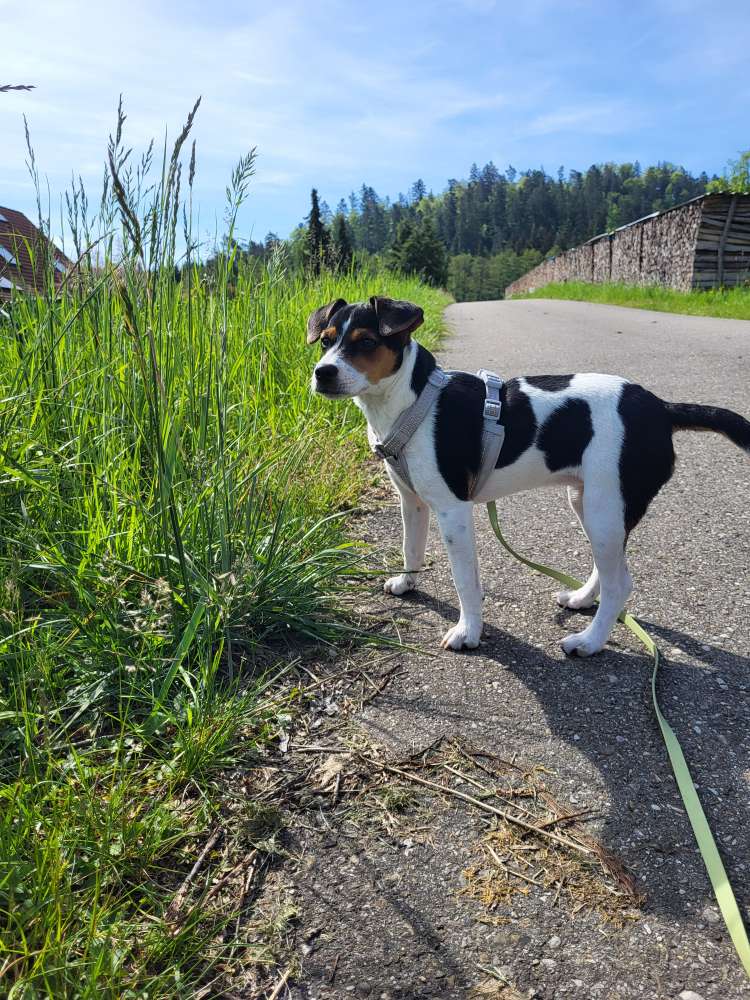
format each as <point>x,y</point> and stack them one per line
<point>480,234</point>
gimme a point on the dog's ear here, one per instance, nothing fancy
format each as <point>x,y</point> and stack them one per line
<point>321,318</point>
<point>395,316</point>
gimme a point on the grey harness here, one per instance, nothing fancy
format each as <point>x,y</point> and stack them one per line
<point>392,448</point>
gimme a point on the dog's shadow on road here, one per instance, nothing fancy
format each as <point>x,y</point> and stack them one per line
<point>601,708</point>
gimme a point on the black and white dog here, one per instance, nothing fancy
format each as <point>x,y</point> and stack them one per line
<point>608,440</point>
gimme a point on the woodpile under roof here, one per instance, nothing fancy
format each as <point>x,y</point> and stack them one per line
<point>722,250</point>
<point>702,243</point>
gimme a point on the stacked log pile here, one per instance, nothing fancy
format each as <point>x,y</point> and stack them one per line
<point>602,250</point>
<point>627,248</point>
<point>582,262</point>
<point>669,247</point>
<point>552,270</point>
<point>703,243</point>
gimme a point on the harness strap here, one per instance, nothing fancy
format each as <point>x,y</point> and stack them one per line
<point>715,870</point>
<point>493,432</point>
<point>392,448</point>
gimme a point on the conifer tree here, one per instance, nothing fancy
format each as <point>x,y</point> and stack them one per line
<point>418,250</point>
<point>341,244</point>
<point>318,241</point>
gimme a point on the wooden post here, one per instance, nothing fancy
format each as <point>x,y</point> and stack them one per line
<point>723,242</point>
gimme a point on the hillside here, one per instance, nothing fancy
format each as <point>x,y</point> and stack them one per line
<point>479,234</point>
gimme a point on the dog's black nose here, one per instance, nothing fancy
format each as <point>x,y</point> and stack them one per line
<point>326,373</point>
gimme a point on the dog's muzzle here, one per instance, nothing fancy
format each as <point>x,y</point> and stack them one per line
<point>326,378</point>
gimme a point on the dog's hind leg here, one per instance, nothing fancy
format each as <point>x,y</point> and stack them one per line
<point>605,527</point>
<point>586,595</point>
<point>457,531</point>
<point>415,515</point>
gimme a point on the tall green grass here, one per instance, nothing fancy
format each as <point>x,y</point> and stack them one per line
<point>728,303</point>
<point>171,499</point>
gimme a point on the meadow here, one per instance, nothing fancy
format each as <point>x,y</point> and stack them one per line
<point>172,503</point>
<point>727,303</point>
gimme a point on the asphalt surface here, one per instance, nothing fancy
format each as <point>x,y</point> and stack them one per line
<point>393,923</point>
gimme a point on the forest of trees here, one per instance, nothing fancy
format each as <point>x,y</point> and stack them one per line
<point>480,234</point>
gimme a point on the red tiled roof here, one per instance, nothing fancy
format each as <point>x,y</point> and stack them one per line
<point>27,247</point>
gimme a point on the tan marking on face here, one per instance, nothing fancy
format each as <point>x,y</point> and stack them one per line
<point>361,332</point>
<point>330,331</point>
<point>376,365</point>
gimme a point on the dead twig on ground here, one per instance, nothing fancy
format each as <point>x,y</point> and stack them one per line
<point>385,680</point>
<point>178,900</point>
<point>333,970</point>
<point>276,991</point>
<point>498,861</point>
<point>486,807</point>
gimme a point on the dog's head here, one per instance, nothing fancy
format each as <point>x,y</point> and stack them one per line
<point>362,343</point>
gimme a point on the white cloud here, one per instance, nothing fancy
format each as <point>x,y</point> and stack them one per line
<point>478,6</point>
<point>339,93</point>
<point>607,118</point>
<point>285,80</point>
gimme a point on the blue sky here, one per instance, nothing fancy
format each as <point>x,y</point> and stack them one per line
<point>337,93</point>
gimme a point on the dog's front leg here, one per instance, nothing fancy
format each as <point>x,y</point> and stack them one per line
<point>415,515</point>
<point>457,531</point>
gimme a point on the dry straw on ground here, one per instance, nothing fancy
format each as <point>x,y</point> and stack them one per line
<point>532,844</point>
<point>495,987</point>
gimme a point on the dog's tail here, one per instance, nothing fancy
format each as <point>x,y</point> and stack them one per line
<point>693,417</point>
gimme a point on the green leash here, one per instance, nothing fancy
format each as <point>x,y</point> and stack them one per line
<point>730,911</point>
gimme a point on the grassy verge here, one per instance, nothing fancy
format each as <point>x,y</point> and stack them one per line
<point>731,303</point>
<point>166,512</point>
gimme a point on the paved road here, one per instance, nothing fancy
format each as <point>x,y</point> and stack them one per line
<point>399,928</point>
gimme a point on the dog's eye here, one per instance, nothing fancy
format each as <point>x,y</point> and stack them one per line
<point>325,343</point>
<point>367,344</point>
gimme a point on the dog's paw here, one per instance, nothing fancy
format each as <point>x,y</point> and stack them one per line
<point>463,635</point>
<point>398,585</point>
<point>580,645</point>
<point>576,599</point>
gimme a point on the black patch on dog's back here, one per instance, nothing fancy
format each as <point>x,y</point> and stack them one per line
<point>647,456</point>
<point>458,431</point>
<point>517,416</point>
<point>459,423</point>
<point>565,435</point>
<point>424,364</point>
<point>550,383</point>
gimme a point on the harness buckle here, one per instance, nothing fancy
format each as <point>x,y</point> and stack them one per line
<point>492,409</point>
<point>381,452</point>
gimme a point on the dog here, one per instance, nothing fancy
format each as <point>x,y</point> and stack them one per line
<point>605,438</point>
